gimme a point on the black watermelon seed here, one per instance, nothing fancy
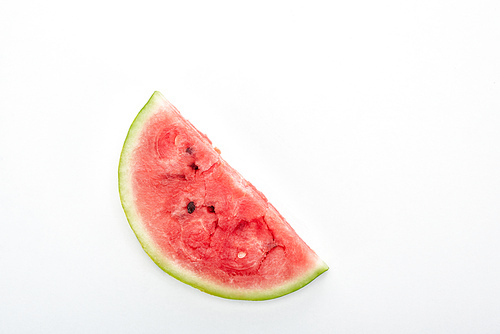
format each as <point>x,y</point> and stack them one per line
<point>194,166</point>
<point>191,207</point>
<point>211,208</point>
<point>189,150</point>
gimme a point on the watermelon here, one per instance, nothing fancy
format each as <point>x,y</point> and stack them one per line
<point>199,220</point>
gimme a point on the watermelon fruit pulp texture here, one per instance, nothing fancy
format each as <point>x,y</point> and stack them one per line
<point>199,219</point>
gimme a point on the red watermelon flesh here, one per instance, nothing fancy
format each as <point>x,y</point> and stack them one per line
<point>199,219</point>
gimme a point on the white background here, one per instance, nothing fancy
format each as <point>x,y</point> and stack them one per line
<point>373,126</point>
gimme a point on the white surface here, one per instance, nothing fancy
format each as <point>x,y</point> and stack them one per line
<point>373,126</point>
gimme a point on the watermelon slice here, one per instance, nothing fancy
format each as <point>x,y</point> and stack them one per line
<point>199,219</point>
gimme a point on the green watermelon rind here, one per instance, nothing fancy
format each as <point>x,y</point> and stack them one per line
<point>127,199</point>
